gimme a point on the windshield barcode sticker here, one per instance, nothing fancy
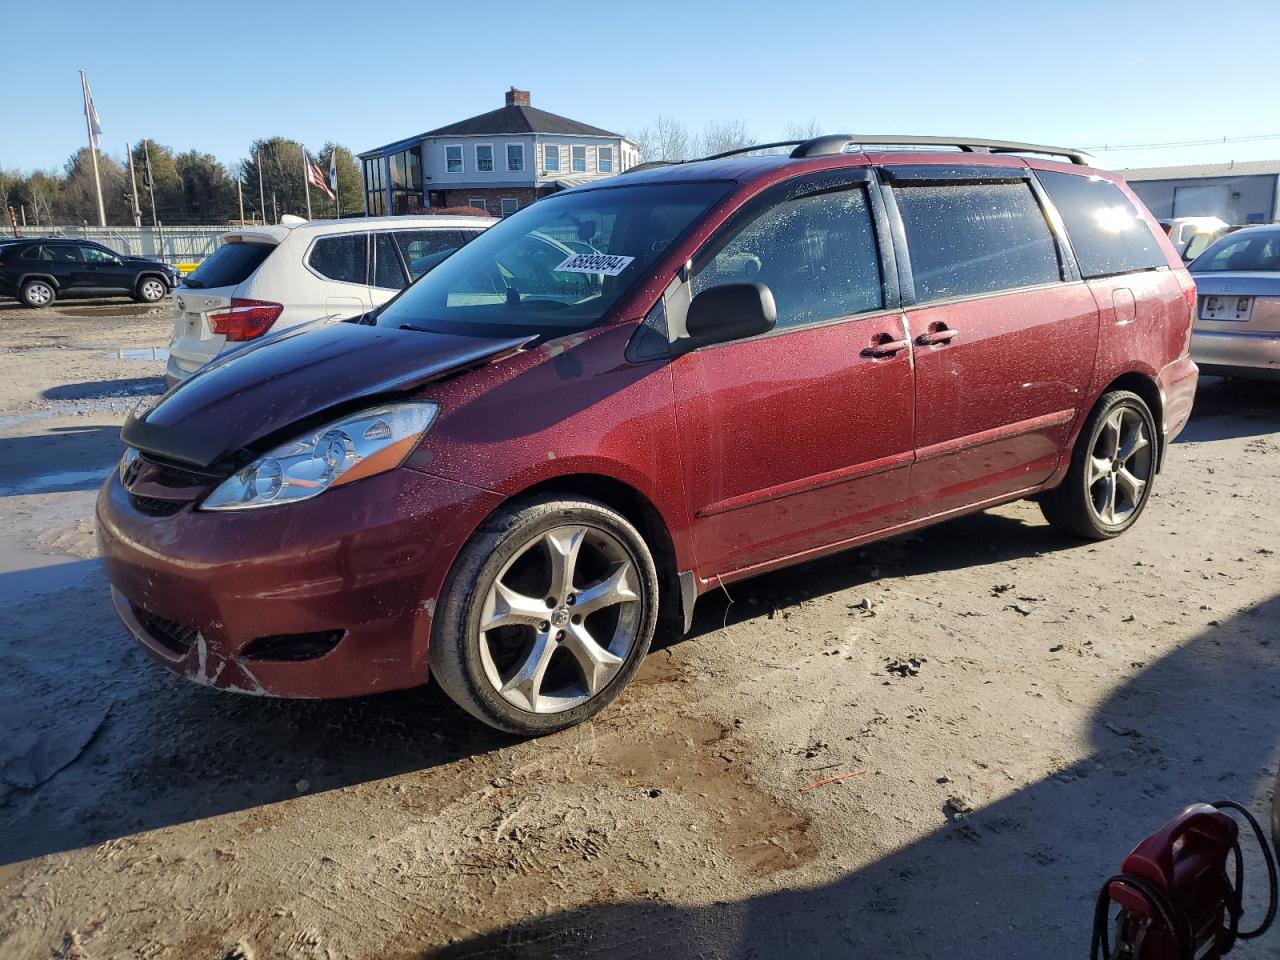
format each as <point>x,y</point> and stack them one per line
<point>594,263</point>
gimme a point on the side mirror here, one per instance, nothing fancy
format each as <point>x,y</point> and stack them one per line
<point>729,312</point>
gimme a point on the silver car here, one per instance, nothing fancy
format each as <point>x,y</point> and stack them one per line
<point>1237,328</point>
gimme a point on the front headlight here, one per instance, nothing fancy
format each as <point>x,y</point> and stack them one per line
<point>359,445</point>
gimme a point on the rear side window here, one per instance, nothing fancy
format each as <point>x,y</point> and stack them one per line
<point>387,272</point>
<point>425,249</point>
<point>231,265</point>
<point>343,258</point>
<point>54,253</point>
<point>966,239</point>
<point>817,254</point>
<point>1108,234</point>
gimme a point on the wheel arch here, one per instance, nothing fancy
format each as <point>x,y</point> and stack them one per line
<point>148,274</point>
<point>640,511</point>
<point>35,275</point>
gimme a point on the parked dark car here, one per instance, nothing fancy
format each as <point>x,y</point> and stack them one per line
<point>508,475</point>
<point>39,271</point>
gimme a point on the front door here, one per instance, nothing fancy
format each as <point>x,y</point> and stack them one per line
<point>1005,335</point>
<point>104,271</point>
<point>800,438</point>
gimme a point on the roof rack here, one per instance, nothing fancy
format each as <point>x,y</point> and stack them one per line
<point>826,146</point>
<point>834,144</point>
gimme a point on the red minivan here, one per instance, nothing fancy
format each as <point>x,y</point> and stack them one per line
<point>637,390</point>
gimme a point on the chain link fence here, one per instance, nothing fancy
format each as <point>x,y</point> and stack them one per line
<point>183,246</point>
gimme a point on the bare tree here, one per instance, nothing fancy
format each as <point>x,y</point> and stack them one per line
<point>802,131</point>
<point>665,139</point>
<point>719,136</point>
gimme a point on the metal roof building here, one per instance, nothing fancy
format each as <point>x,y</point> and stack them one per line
<point>1237,192</point>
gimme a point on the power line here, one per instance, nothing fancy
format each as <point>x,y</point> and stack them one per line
<point>1257,138</point>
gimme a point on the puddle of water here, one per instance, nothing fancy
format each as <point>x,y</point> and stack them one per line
<point>138,353</point>
<point>62,481</point>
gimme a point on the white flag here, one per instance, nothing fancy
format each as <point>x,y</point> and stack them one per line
<point>90,112</point>
<point>333,169</point>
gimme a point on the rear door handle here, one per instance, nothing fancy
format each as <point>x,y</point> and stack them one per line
<point>935,337</point>
<point>884,348</point>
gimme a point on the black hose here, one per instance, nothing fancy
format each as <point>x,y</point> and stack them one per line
<point>1236,904</point>
<point>1183,935</point>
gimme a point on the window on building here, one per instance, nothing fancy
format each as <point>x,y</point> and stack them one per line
<point>509,206</point>
<point>817,254</point>
<point>515,157</point>
<point>484,157</point>
<point>406,181</point>
<point>479,203</point>
<point>1107,233</point>
<point>578,159</point>
<point>453,158</point>
<point>604,159</point>
<point>374,187</point>
<point>343,258</point>
<point>551,157</point>
<point>971,238</point>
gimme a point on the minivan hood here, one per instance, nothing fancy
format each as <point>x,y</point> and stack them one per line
<point>298,377</point>
<point>1257,283</point>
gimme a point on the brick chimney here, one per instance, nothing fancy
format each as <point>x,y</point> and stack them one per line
<point>517,98</point>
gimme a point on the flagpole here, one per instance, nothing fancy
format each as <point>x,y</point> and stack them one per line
<point>262,194</point>
<point>93,149</point>
<point>133,196</point>
<point>240,192</point>
<point>306,179</point>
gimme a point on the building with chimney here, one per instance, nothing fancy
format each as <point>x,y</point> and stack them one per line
<point>498,161</point>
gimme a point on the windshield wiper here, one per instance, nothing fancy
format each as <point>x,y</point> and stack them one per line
<point>410,326</point>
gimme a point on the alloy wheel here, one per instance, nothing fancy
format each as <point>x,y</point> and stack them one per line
<point>560,619</point>
<point>1120,466</point>
<point>152,290</point>
<point>39,294</point>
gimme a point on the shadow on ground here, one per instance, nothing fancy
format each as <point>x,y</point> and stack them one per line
<point>171,751</point>
<point>60,460</point>
<point>106,389</point>
<point>1227,409</point>
<point>1197,725</point>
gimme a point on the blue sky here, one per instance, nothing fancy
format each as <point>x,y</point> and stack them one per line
<point>213,76</point>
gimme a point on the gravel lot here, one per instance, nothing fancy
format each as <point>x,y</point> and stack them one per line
<point>1023,709</point>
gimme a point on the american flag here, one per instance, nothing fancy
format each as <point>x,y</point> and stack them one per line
<point>315,176</point>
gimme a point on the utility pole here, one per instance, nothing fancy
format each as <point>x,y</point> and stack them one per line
<point>149,178</point>
<point>306,179</point>
<point>262,196</point>
<point>240,192</point>
<point>275,213</point>
<point>94,129</point>
<point>133,196</point>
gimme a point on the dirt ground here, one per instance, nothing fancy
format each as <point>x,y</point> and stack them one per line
<point>1064,700</point>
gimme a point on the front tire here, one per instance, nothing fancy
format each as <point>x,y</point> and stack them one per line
<point>150,290</point>
<point>546,616</point>
<point>1112,469</point>
<point>37,293</point>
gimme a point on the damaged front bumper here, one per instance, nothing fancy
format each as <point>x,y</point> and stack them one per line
<point>331,597</point>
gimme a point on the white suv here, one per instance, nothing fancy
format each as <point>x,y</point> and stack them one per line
<point>270,278</point>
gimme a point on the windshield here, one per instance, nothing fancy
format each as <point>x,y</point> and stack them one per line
<point>1241,251</point>
<point>558,264</point>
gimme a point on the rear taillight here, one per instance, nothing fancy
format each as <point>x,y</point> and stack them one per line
<point>246,320</point>
<point>1188,285</point>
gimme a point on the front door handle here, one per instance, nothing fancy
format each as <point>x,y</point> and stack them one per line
<point>937,334</point>
<point>882,346</point>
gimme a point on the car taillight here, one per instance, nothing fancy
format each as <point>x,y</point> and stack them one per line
<point>246,320</point>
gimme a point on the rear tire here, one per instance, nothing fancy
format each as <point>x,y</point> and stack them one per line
<point>150,290</point>
<point>37,293</point>
<point>1112,469</point>
<point>546,615</point>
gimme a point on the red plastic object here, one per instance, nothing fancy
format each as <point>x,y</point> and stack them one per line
<point>1186,859</point>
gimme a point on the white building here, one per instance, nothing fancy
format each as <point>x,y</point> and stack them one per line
<point>498,161</point>
<point>1239,193</point>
